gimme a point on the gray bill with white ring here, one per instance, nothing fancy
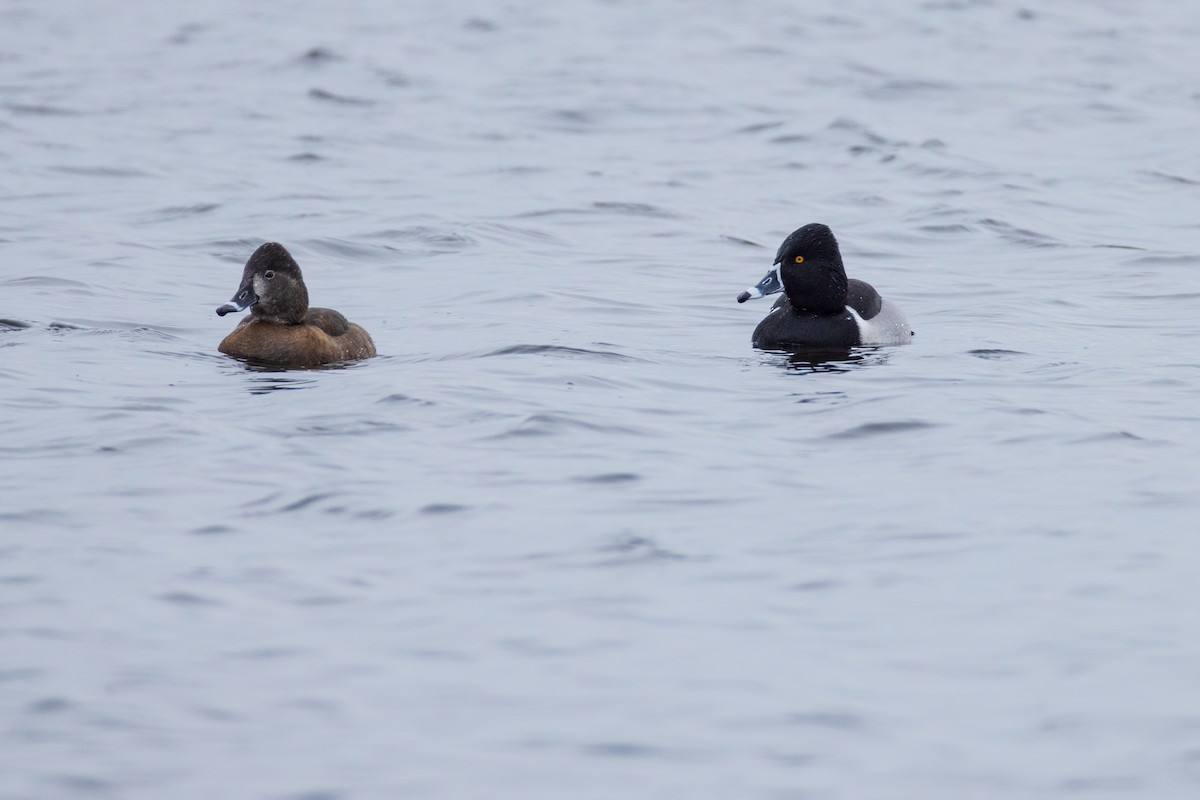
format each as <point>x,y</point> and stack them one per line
<point>770,284</point>
<point>244,298</point>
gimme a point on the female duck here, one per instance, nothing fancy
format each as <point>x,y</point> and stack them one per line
<point>821,307</point>
<point>281,328</point>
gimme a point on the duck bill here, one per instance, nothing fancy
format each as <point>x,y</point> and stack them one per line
<point>770,284</point>
<point>244,298</point>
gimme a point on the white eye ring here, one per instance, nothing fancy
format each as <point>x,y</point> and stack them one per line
<point>269,274</point>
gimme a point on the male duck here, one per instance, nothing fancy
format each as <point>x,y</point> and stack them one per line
<point>821,307</point>
<point>281,329</point>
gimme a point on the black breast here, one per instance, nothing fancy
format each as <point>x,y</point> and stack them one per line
<point>785,328</point>
<point>862,297</point>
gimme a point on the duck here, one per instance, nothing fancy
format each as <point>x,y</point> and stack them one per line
<point>281,329</point>
<point>821,307</point>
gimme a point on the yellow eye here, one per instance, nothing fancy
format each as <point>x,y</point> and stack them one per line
<point>799,259</point>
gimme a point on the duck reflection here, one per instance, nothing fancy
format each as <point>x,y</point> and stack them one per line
<point>266,384</point>
<point>268,378</point>
<point>809,361</point>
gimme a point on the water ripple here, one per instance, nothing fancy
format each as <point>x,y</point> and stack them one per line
<point>872,429</point>
<point>560,351</point>
<point>339,99</point>
<point>550,425</point>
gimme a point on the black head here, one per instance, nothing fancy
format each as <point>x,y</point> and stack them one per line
<point>810,267</point>
<point>272,287</point>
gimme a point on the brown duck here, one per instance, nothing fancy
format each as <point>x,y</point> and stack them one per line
<point>281,329</point>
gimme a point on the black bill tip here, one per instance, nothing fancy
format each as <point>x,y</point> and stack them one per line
<point>228,308</point>
<point>743,297</point>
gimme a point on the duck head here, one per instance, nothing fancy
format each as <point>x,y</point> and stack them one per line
<point>272,287</point>
<point>808,268</point>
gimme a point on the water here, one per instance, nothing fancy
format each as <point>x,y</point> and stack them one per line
<point>570,535</point>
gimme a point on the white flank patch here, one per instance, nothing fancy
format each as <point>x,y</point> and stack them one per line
<point>889,326</point>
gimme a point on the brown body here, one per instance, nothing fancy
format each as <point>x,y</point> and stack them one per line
<point>324,337</point>
<point>281,328</point>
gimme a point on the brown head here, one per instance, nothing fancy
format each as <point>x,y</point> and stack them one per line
<point>272,287</point>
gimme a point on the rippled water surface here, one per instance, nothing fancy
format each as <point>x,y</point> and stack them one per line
<point>569,535</point>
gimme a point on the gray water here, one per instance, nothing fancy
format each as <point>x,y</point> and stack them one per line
<point>569,535</point>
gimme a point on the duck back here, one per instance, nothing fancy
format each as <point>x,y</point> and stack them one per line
<point>862,297</point>
<point>332,322</point>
